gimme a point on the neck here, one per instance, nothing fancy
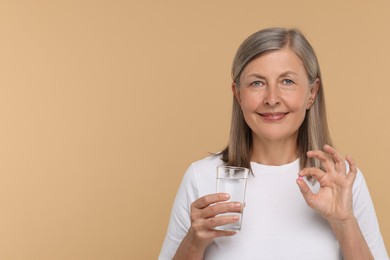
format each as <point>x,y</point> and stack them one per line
<point>270,152</point>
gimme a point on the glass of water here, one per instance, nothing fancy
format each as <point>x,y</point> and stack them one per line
<point>232,180</point>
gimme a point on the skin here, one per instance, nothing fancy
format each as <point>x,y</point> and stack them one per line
<point>274,94</point>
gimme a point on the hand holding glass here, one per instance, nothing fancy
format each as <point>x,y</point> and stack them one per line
<point>232,180</point>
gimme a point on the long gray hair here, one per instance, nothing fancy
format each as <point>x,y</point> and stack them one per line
<point>313,133</point>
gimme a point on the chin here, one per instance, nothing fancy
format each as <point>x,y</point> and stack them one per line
<point>276,137</point>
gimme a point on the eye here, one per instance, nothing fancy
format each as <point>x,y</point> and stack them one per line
<point>257,83</point>
<point>288,82</point>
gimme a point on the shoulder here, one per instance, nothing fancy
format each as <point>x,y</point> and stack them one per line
<point>362,202</point>
<point>203,169</point>
<point>206,164</point>
<point>360,182</point>
<point>201,175</point>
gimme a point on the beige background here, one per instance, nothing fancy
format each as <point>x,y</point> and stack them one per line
<point>104,104</point>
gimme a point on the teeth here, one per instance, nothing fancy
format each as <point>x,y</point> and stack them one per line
<point>273,116</point>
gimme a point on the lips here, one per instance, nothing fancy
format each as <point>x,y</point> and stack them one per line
<point>273,116</point>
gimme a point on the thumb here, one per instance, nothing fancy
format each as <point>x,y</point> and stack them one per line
<point>305,190</point>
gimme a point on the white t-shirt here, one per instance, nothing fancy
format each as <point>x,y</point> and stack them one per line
<point>277,223</point>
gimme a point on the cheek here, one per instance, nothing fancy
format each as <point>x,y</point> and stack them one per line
<point>249,101</point>
<point>248,107</point>
<point>300,102</point>
<point>301,111</point>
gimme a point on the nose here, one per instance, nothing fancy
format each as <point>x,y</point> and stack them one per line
<point>271,97</point>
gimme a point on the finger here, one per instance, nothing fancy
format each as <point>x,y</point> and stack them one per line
<point>352,168</point>
<point>207,200</point>
<point>213,233</point>
<point>220,233</point>
<point>318,174</point>
<point>221,220</point>
<point>325,160</point>
<point>305,190</point>
<point>337,158</point>
<point>221,208</point>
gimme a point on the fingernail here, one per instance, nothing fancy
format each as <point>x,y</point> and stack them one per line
<point>300,177</point>
<point>237,205</point>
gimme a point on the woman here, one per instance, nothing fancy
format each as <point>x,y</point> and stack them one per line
<point>303,200</point>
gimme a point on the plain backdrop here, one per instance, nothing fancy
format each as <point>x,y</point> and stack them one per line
<point>104,104</point>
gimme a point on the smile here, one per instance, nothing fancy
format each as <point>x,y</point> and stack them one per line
<point>273,116</point>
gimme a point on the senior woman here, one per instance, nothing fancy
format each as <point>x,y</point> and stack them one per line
<point>303,199</point>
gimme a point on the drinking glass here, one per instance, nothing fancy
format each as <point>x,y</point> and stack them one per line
<point>232,180</point>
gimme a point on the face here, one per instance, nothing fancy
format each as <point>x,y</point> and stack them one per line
<point>274,94</point>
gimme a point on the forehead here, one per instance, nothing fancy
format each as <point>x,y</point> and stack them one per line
<point>275,62</point>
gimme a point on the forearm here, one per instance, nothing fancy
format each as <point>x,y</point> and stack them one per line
<point>351,240</point>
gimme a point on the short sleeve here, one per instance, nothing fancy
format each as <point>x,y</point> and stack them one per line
<point>179,222</point>
<point>365,214</point>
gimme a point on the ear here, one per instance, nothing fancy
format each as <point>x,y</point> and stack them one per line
<point>313,92</point>
<point>236,92</point>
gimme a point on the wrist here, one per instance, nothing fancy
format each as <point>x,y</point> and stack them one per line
<point>191,248</point>
<point>196,241</point>
<point>351,240</point>
<point>343,224</point>
<point>346,229</point>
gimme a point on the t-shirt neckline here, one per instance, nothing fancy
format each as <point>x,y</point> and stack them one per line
<point>294,165</point>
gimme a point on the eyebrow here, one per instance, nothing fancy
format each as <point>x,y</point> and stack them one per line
<point>255,74</point>
<point>288,73</point>
<point>258,75</point>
